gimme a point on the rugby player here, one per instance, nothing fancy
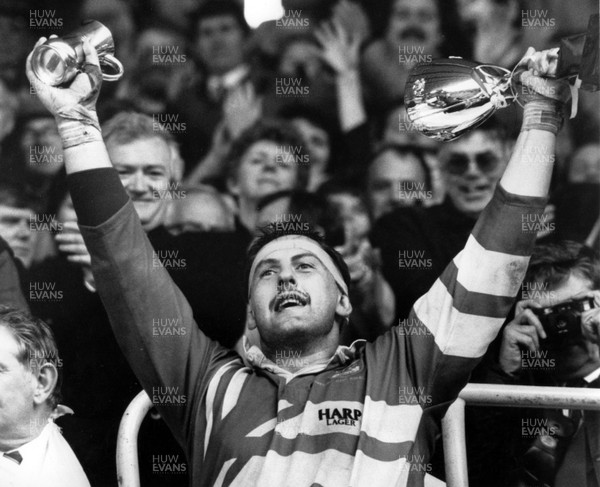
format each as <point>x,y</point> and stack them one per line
<point>304,411</point>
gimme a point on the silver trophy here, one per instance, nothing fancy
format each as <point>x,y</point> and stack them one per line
<point>448,97</point>
<point>58,60</point>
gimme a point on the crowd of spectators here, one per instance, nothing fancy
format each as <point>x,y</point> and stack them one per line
<point>217,129</point>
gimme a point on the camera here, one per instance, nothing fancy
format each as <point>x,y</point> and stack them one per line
<point>543,458</point>
<point>562,322</point>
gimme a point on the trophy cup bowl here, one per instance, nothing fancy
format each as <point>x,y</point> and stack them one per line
<point>448,97</point>
<point>58,60</point>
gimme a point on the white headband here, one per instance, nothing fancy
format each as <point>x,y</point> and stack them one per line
<point>302,243</point>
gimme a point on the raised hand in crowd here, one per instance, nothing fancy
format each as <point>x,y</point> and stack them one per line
<point>353,18</point>
<point>212,165</point>
<point>242,109</point>
<point>340,50</point>
<point>339,47</point>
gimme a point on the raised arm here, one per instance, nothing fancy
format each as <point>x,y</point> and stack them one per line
<point>151,318</point>
<point>530,167</point>
<point>465,308</point>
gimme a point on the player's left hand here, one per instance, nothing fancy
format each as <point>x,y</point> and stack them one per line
<point>540,77</point>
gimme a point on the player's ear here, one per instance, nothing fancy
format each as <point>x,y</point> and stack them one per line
<point>250,321</point>
<point>343,308</point>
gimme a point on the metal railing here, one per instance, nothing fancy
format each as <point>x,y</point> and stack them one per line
<point>128,469</point>
<point>453,424</point>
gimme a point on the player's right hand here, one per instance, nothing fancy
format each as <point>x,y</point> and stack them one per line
<point>82,92</point>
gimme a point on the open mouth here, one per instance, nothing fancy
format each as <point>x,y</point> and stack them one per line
<point>290,299</point>
<point>474,189</point>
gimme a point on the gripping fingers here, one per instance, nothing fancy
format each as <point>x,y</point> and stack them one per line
<point>91,56</point>
<point>526,340</point>
<point>92,69</point>
<point>75,249</point>
<point>591,325</point>
<point>79,259</point>
<point>69,238</point>
<point>29,69</point>
<point>531,319</point>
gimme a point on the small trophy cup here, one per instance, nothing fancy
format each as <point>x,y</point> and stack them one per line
<point>58,60</point>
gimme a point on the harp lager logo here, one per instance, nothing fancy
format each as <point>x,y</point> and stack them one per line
<point>341,416</point>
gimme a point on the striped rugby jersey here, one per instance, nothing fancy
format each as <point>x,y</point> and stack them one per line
<point>367,418</point>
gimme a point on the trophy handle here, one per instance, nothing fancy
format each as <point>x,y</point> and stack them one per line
<point>115,65</point>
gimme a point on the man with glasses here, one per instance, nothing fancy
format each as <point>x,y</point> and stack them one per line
<point>417,243</point>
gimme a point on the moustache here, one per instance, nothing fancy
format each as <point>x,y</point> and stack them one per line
<point>288,298</point>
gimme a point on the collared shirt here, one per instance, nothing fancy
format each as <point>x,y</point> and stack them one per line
<point>47,461</point>
<point>256,358</point>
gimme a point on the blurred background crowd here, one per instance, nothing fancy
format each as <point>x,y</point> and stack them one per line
<point>219,127</point>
